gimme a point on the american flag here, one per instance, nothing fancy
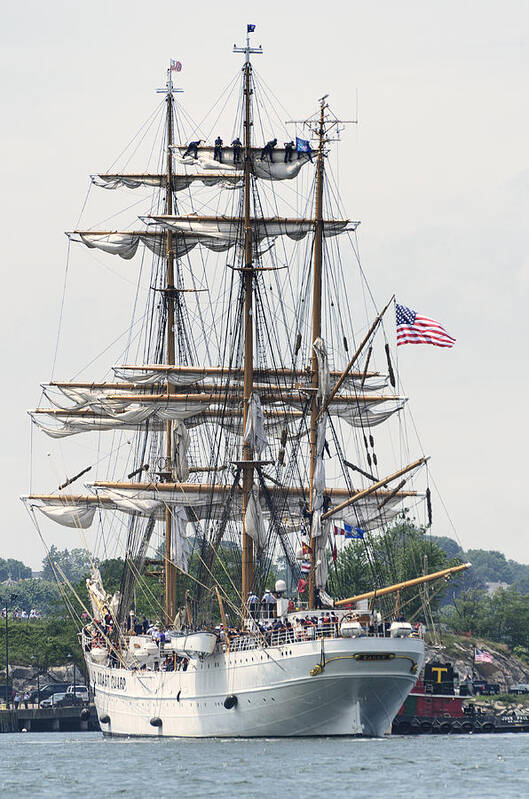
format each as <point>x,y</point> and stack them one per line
<point>176,66</point>
<point>480,656</point>
<point>415,329</point>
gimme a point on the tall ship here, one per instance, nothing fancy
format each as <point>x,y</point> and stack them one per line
<point>237,434</point>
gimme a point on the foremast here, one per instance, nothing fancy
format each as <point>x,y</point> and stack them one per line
<point>248,558</point>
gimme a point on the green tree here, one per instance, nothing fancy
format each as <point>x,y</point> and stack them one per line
<point>43,595</point>
<point>401,553</point>
<point>13,569</point>
<point>450,547</point>
<point>51,641</point>
<point>74,563</point>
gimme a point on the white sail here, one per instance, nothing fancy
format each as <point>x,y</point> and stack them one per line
<point>78,516</point>
<point>254,522</point>
<point>180,548</point>
<point>254,432</point>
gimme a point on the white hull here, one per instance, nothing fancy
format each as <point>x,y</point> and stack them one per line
<point>276,696</point>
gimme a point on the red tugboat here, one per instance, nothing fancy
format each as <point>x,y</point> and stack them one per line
<point>433,707</point>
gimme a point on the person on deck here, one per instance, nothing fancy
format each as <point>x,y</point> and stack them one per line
<point>253,604</point>
<point>217,152</point>
<point>237,145</point>
<point>192,148</point>
<point>268,150</point>
<point>267,603</point>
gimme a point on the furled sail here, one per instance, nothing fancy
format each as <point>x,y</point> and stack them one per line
<point>102,412</point>
<point>187,375</point>
<point>278,169</point>
<point>219,233</point>
<point>125,244</point>
<point>204,501</point>
<point>179,182</point>
<point>216,233</point>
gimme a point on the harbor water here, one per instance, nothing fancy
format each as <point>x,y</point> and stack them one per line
<point>57,765</point>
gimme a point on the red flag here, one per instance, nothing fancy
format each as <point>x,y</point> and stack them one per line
<point>334,553</point>
<point>338,530</point>
<point>307,550</point>
<point>302,584</point>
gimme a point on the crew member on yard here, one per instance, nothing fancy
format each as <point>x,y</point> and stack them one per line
<point>268,150</point>
<point>192,148</point>
<point>289,149</point>
<point>217,153</point>
<point>236,144</point>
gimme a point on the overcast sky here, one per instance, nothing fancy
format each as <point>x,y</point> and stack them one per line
<point>437,170</point>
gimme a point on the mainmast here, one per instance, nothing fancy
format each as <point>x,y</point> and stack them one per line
<point>170,293</point>
<point>248,561</point>
<point>316,327</point>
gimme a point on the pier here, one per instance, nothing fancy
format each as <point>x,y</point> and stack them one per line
<point>49,719</point>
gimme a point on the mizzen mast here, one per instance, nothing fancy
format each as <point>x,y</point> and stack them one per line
<point>248,560</point>
<point>321,127</point>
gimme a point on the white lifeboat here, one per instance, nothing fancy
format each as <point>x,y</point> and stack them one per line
<point>195,646</point>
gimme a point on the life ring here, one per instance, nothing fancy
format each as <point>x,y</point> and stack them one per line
<point>347,617</point>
